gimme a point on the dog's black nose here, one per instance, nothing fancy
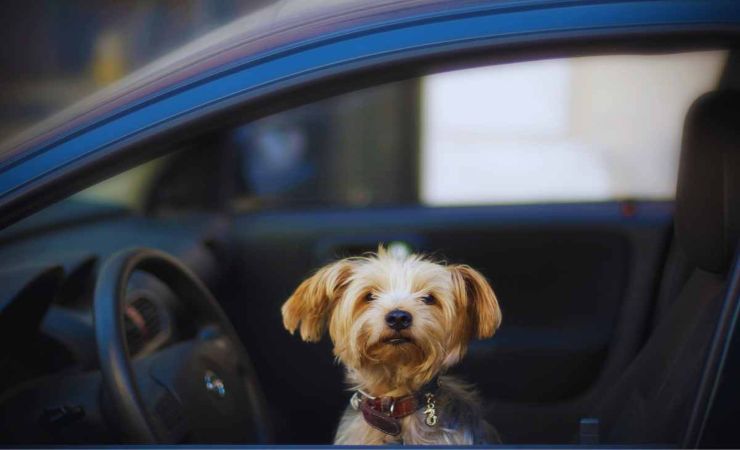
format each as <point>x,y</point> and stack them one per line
<point>398,320</point>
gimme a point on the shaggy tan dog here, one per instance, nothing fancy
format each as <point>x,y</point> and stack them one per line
<point>397,323</point>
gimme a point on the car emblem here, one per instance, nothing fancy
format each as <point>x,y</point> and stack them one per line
<point>214,384</point>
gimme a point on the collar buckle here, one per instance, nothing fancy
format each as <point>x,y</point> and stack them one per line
<point>355,401</point>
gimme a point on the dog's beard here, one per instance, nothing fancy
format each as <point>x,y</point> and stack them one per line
<point>387,363</point>
<point>396,350</point>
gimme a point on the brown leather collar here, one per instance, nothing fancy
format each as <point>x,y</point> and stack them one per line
<point>384,413</point>
<point>393,407</point>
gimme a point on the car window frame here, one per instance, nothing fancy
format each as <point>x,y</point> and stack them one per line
<point>303,71</point>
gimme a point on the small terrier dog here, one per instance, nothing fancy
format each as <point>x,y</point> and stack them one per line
<point>397,324</point>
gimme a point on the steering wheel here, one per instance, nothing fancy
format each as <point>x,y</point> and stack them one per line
<point>201,390</point>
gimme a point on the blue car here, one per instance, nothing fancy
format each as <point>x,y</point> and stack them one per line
<point>583,156</point>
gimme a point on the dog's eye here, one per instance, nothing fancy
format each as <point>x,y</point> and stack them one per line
<point>428,299</point>
<point>369,297</point>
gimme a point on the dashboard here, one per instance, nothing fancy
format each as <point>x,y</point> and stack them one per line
<point>48,271</point>
<point>150,316</point>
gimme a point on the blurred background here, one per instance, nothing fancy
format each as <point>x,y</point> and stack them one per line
<point>588,128</point>
<point>572,129</point>
<point>57,51</point>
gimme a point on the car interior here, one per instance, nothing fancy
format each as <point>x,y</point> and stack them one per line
<point>615,310</point>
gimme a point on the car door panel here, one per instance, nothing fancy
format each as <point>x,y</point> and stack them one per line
<point>566,277</point>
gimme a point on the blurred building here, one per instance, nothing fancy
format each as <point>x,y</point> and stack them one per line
<point>57,52</point>
<point>586,128</point>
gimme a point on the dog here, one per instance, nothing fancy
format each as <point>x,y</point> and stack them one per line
<point>397,323</point>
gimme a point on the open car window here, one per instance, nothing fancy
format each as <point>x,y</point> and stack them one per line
<point>591,128</point>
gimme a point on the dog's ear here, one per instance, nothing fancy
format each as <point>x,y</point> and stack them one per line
<point>312,301</point>
<point>477,297</point>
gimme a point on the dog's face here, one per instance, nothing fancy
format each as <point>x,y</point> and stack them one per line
<point>400,317</point>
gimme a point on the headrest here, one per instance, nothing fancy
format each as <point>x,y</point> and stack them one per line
<point>708,193</point>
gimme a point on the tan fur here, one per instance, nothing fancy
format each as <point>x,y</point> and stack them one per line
<point>312,301</point>
<point>464,307</point>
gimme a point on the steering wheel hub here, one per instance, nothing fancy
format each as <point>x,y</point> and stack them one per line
<point>214,384</point>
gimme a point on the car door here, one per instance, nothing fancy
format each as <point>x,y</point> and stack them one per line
<point>574,281</point>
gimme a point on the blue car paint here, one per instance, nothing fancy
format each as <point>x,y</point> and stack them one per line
<point>334,53</point>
